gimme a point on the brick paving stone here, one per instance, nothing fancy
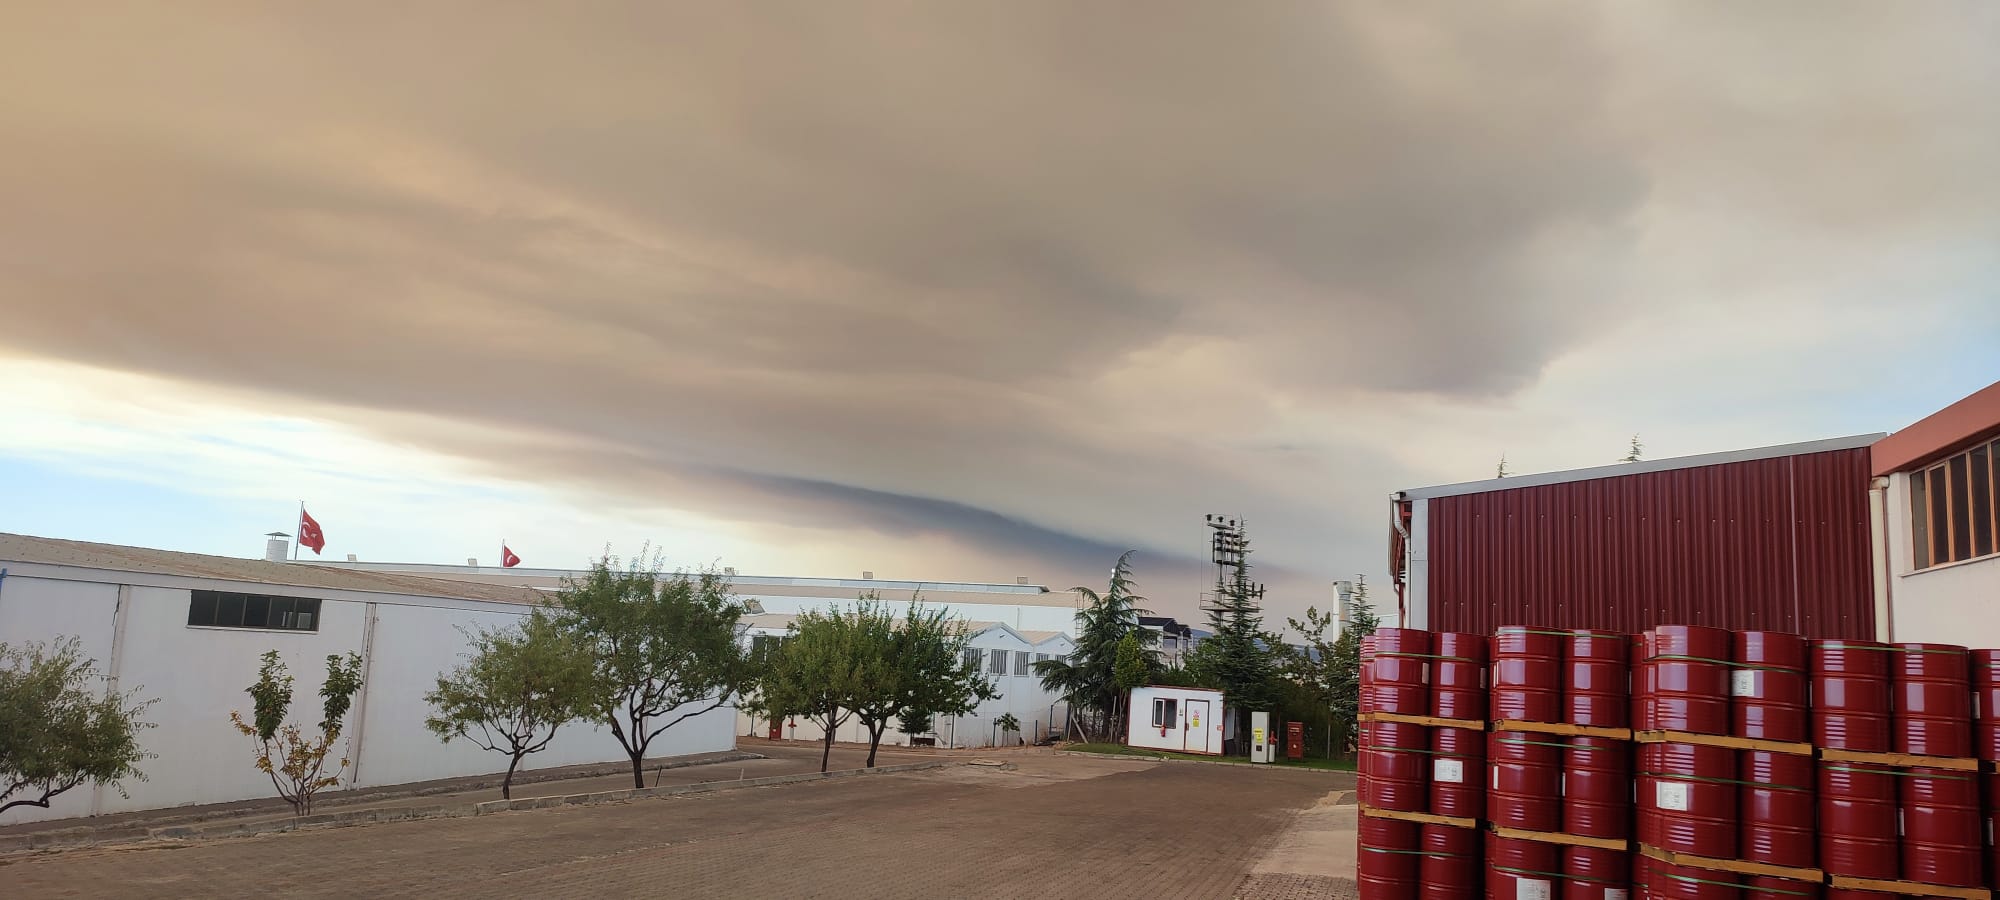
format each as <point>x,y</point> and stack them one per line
<point>1055,828</point>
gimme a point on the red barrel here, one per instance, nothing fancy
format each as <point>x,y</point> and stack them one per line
<point>1527,675</point>
<point>1666,880</point>
<point>1933,699</point>
<point>1641,685</point>
<point>1596,680</point>
<point>1768,687</point>
<point>1764,887</point>
<point>1458,680</point>
<point>1398,767</point>
<point>1450,866</point>
<point>1857,820</point>
<point>1597,788</point>
<point>1986,703</point>
<point>1777,808</point>
<point>1458,767</point>
<point>1992,815</point>
<point>1401,670</point>
<point>1850,696</point>
<point>1521,869</point>
<point>1690,679</point>
<point>1941,828</point>
<point>1687,799</point>
<point>1593,874</point>
<point>1525,790</point>
<point>1387,869</point>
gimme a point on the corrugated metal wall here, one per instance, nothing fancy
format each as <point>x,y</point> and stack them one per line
<point>1778,544</point>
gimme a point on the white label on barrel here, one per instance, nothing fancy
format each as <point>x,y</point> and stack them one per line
<point>1531,889</point>
<point>1899,822</point>
<point>1743,683</point>
<point>1671,795</point>
<point>1496,776</point>
<point>1448,770</point>
<point>1975,704</point>
<point>1989,832</point>
<point>1614,894</point>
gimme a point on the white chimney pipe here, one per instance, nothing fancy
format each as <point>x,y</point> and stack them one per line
<point>277,546</point>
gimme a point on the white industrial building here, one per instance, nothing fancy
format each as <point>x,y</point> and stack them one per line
<point>1005,654</point>
<point>1936,516</point>
<point>188,629</point>
<point>1180,719</point>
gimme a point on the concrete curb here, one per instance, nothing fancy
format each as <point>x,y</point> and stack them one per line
<point>1274,767</point>
<point>71,839</point>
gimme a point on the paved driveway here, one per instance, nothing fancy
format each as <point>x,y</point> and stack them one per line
<point>1055,826</point>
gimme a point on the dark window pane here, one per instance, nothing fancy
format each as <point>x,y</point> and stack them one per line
<point>1920,521</point>
<point>306,615</point>
<point>1982,502</point>
<point>229,610</point>
<point>1940,531</point>
<point>1961,517</point>
<point>201,608</point>
<point>281,611</point>
<point>256,611</point>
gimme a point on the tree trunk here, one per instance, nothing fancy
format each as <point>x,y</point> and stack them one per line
<point>875,740</point>
<point>827,753</point>
<point>507,783</point>
<point>638,768</point>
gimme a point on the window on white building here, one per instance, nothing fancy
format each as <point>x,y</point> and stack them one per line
<point>1041,657</point>
<point>996,663</point>
<point>1166,712</point>
<point>1955,508</point>
<point>974,658</point>
<point>1021,660</point>
<point>228,609</point>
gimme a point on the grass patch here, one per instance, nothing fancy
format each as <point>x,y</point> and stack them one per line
<point>1338,765</point>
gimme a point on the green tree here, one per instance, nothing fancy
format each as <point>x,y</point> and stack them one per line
<point>1312,666</point>
<point>879,677</point>
<point>1240,657</point>
<point>1500,471</point>
<point>516,687</point>
<point>938,679</point>
<point>1343,674</point>
<point>297,764</point>
<point>59,729</point>
<point>1636,453</point>
<point>1088,679</point>
<point>1007,724</point>
<point>812,674</point>
<point>666,647</point>
<point>1131,668</point>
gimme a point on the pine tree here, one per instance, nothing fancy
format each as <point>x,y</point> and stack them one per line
<point>1240,657</point>
<point>1636,452</point>
<point>1501,470</point>
<point>1088,679</point>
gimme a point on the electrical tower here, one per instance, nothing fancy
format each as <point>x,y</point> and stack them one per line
<point>1229,549</point>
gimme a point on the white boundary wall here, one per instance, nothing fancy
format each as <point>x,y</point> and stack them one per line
<point>135,626</point>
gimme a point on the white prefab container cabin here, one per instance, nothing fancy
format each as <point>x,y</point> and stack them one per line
<point>1181,719</point>
<point>179,627</point>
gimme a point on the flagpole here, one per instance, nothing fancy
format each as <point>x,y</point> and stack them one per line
<point>298,530</point>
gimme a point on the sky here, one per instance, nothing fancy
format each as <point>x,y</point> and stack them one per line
<point>959,292</point>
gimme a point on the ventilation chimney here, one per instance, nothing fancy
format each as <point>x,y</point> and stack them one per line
<point>277,546</point>
<point>1346,591</point>
<point>1023,579</point>
<point>868,576</point>
<point>352,558</point>
<point>472,561</point>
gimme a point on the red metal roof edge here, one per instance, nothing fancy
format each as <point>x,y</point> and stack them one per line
<point>1617,470</point>
<point>1940,433</point>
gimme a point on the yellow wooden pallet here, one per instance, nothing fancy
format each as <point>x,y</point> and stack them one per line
<point>1737,866</point>
<point>1798,748</point>
<point>1563,729</point>
<point>1557,837</point>
<point>1910,887</point>
<point>1432,721</point>
<point>1419,817</point>
<point>1900,759</point>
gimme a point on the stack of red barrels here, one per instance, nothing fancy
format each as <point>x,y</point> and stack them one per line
<point>1854,759</point>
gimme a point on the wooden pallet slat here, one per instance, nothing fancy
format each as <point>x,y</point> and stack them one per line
<point>1846,882</point>
<point>1900,760</point>
<point>1556,837</point>
<point>1563,729</point>
<point>1736,866</point>
<point>1431,721</point>
<point>1421,818</point>
<point>1723,740</point>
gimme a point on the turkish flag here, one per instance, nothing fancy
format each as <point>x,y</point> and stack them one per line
<point>507,558</point>
<point>310,537</point>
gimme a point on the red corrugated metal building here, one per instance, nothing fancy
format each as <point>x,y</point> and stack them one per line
<point>1772,538</point>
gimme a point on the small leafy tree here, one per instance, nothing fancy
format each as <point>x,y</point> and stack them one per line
<point>1343,673</point>
<point>295,762</point>
<point>1007,724</point>
<point>58,728</point>
<point>1131,669</point>
<point>880,676</point>
<point>666,647</point>
<point>937,677</point>
<point>515,689</point>
<point>1312,666</point>
<point>812,674</point>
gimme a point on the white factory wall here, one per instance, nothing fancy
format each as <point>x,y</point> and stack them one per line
<point>199,676</point>
<point>1021,693</point>
<point>1947,604</point>
<point>1019,616</point>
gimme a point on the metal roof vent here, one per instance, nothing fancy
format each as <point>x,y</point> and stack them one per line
<point>472,561</point>
<point>352,558</point>
<point>867,576</point>
<point>1023,579</point>
<point>277,546</point>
